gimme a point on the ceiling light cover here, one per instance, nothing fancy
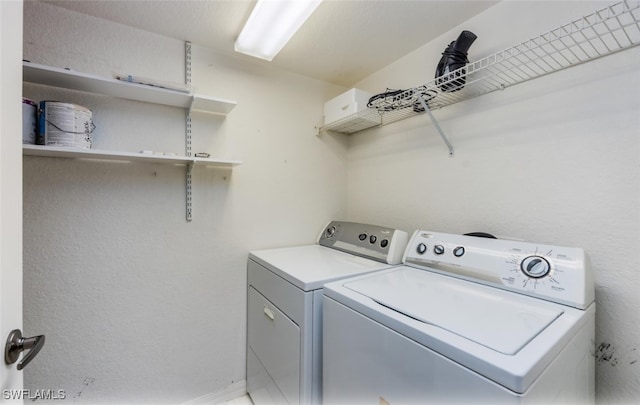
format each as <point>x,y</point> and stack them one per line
<point>271,25</point>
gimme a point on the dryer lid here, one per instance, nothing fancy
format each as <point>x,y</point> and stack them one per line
<point>309,267</point>
<point>500,320</point>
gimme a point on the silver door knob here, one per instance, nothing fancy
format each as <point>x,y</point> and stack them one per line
<point>16,344</point>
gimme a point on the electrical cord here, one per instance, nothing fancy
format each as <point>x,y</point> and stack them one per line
<point>392,100</point>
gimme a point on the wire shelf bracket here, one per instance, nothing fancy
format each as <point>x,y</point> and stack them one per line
<point>434,121</point>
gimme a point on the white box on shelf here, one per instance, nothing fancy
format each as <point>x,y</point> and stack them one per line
<point>347,103</point>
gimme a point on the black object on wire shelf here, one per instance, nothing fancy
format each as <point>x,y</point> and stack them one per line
<point>453,59</point>
<point>392,100</point>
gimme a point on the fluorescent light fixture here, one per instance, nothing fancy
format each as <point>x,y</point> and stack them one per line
<point>271,25</point>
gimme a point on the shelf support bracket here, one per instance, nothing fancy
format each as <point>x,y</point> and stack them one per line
<point>435,124</point>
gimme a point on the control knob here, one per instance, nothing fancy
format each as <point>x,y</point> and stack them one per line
<point>535,266</point>
<point>421,248</point>
<point>458,251</point>
<point>330,231</point>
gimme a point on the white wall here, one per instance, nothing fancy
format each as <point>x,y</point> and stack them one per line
<point>553,160</point>
<point>138,305</point>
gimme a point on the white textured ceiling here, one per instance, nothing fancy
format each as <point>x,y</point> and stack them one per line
<point>343,42</point>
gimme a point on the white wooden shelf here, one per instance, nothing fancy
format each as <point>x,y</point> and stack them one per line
<point>78,153</point>
<point>173,96</point>
<point>70,79</point>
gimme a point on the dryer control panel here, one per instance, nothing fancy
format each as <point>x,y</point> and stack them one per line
<point>371,241</point>
<point>556,273</point>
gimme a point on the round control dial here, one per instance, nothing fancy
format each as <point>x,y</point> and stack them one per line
<point>458,251</point>
<point>421,248</point>
<point>330,231</point>
<point>535,266</point>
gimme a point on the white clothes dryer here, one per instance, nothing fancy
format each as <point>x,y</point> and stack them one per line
<point>465,320</point>
<point>284,320</point>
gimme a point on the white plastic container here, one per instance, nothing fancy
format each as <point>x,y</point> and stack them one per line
<point>347,103</point>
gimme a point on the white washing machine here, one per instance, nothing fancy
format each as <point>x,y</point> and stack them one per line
<point>284,320</point>
<point>465,320</point>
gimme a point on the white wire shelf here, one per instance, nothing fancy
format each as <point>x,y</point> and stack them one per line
<point>604,32</point>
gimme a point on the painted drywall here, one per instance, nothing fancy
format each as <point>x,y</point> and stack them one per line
<point>552,160</point>
<point>140,306</point>
<point>137,305</point>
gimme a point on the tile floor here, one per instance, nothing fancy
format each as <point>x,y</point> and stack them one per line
<point>243,400</point>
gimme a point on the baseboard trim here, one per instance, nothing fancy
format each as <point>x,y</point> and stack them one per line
<point>230,392</point>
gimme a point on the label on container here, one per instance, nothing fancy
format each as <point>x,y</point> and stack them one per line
<point>64,124</point>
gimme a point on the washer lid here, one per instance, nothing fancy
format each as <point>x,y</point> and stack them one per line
<point>497,319</point>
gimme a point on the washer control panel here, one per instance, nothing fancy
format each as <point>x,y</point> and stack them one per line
<point>371,241</point>
<point>556,273</point>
